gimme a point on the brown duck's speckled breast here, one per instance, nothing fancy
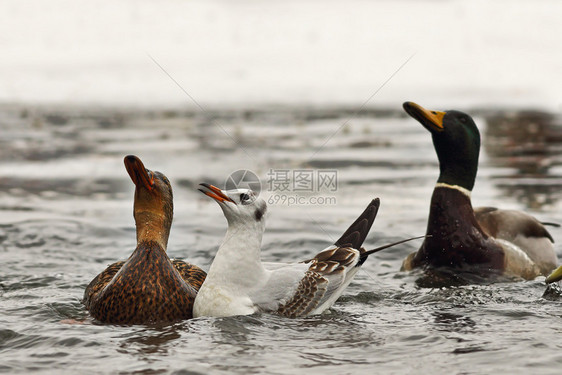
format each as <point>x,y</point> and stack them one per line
<point>148,287</point>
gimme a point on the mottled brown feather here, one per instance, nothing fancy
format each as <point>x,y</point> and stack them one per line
<point>345,254</point>
<point>100,281</point>
<point>314,285</point>
<point>146,288</point>
<point>192,274</point>
<point>309,292</point>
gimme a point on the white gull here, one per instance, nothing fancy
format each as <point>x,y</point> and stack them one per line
<point>239,283</point>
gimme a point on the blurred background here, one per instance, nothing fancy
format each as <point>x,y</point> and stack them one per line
<point>242,53</point>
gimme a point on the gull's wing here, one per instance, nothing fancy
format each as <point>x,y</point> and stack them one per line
<point>300,289</point>
<point>281,284</point>
<point>329,273</point>
<point>355,235</point>
<point>312,286</point>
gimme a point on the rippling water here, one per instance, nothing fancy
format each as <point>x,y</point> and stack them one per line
<point>66,212</point>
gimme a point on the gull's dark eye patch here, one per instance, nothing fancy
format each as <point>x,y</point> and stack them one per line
<point>244,197</point>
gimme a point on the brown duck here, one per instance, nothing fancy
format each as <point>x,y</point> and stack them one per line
<point>147,287</point>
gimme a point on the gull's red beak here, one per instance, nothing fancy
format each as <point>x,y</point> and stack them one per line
<point>215,193</point>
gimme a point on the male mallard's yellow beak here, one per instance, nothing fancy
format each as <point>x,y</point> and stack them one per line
<point>432,120</point>
<point>556,275</point>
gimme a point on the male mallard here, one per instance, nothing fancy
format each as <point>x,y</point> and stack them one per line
<point>486,241</point>
<point>147,287</point>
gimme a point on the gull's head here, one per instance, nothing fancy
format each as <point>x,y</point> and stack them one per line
<point>240,206</point>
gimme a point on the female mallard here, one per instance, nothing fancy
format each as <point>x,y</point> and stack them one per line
<point>147,287</point>
<point>483,242</point>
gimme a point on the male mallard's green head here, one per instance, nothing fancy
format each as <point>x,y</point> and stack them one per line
<point>456,140</point>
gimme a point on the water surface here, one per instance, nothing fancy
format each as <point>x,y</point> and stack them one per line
<point>66,213</point>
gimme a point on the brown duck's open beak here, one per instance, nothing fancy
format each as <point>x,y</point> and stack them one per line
<point>431,120</point>
<point>215,193</point>
<point>138,173</point>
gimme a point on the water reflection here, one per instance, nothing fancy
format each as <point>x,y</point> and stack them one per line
<point>451,322</point>
<point>235,329</point>
<point>530,143</point>
<point>156,339</point>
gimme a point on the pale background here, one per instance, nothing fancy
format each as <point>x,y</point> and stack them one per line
<point>305,52</point>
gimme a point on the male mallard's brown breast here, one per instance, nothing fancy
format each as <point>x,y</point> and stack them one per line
<point>456,241</point>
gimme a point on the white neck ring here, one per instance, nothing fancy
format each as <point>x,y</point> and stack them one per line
<point>456,187</point>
